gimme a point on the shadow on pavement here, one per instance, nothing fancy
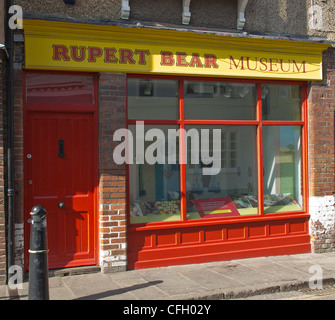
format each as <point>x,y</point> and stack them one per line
<point>114,292</point>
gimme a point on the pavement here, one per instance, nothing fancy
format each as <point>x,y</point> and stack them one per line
<point>206,281</point>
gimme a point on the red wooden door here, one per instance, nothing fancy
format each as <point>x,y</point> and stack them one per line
<point>60,170</point>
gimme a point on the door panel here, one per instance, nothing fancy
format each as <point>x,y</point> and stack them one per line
<point>61,169</point>
<point>45,184</point>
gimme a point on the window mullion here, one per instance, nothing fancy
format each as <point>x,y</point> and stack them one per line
<point>260,152</point>
<point>182,152</point>
<point>304,147</point>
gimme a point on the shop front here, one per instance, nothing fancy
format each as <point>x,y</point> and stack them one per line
<point>164,147</point>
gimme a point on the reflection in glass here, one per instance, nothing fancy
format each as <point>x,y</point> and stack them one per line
<point>208,100</point>
<point>282,168</point>
<point>281,102</point>
<point>153,99</point>
<point>154,188</point>
<point>232,191</point>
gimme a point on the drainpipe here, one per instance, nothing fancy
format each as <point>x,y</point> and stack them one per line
<point>10,142</point>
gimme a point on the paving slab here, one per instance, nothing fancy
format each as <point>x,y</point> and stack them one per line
<point>209,279</point>
<point>171,282</point>
<point>140,288</point>
<point>3,292</point>
<point>94,287</point>
<point>206,281</point>
<point>275,271</point>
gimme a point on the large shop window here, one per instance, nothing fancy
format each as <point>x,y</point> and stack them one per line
<point>214,149</point>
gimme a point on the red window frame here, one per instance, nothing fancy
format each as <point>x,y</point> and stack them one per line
<point>258,122</point>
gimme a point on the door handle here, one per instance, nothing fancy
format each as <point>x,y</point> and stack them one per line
<point>61,153</point>
<point>61,205</point>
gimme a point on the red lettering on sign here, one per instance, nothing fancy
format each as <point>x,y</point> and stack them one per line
<point>181,59</point>
<point>167,58</point>
<point>94,53</point>
<point>195,61</point>
<point>142,55</point>
<point>273,64</point>
<point>126,55</point>
<point>210,61</point>
<point>60,52</point>
<point>264,64</point>
<point>248,64</point>
<point>236,65</point>
<point>110,55</point>
<point>303,66</point>
<point>78,53</point>
<point>282,63</point>
<point>178,59</point>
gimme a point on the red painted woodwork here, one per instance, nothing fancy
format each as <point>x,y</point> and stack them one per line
<point>62,88</point>
<point>51,179</point>
<point>158,248</point>
<point>193,241</point>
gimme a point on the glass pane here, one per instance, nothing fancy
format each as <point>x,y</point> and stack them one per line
<point>153,99</point>
<point>281,102</point>
<point>53,88</point>
<point>154,176</point>
<point>206,100</point>
<point>282,168</point>
<point>229,154</point>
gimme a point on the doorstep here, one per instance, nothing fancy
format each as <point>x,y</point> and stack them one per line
<point>62,272</point>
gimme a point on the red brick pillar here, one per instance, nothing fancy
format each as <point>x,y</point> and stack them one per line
<point>112,177</point>
<point>2,183</point>
<point>321,119</point>
<point>18,169</point>
<point>18,165</point>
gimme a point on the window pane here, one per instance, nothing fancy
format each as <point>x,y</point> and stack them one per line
<point>206,100</point>
<point>232,188</point>
<point>281,102</point>
<point>154,179</point>
<point>282,168</point>
<point>44,88</point>
<point>153,99</point>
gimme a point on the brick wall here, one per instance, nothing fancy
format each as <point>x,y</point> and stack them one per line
<point>112,177</point>
<point>18,165</point>
<point>2,184</point>
<point>321,106</point>
<point>106,9</point>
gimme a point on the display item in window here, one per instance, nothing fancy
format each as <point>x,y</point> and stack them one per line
<point>149,208</point>
<point>135,209</point>
<point>167,207</point>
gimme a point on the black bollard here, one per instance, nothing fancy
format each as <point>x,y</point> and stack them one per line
<point>38,255</point>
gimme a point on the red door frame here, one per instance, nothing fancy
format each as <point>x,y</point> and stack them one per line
<point>93,109</point>
<point>157,228</point>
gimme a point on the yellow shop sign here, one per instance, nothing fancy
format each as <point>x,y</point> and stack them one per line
<point>64,46</point>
